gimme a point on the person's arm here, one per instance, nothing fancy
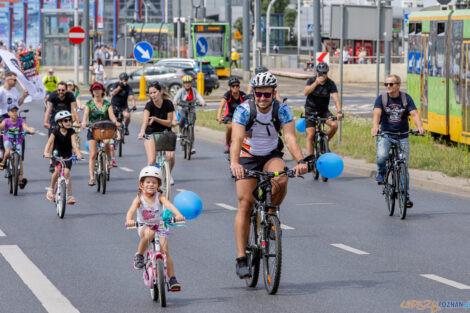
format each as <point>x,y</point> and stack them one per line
<point>238,134</point>
<point>167,204</point>
<point>2,125</point>
<point>47,114</point>
<point>116,90</point>
<point>177,97</point>
<point>376,121</point>
<point>131,212</point>
<point>24,96</point>
<point>48,147</point>
<point>335,97</point>
<point>418,122</point>
<point>75,146</point>
<point>145,122</point>
<point>221,107</point>
<point>85,117</point>
<point>112,116</point>
<point>167,122</point>
<point>288,131</point>
<point>249,90</point>
<point>73,107</point>
<point>310,88</point>
<point>199,98</point>
<point>132,99</point>
<point>27,128</point>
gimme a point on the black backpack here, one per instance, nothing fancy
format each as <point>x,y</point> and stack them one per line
<point>385,100</point>
<point>274,119</point>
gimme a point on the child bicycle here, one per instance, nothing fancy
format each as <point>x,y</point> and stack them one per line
<point>62,184</point>
<point>155,270</point>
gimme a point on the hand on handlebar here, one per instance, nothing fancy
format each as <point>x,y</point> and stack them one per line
<point>237,170</point>
<point>130,223</point>
<point>141,135</point>
<point>300,169</point>
<point>374,131</point>
<point>421,130</point>
<point>47,125</point>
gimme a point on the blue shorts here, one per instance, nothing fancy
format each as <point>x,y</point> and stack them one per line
<point>8,144</point>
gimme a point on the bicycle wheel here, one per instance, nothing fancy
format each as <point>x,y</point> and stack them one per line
<point>161,282</point>
<point>23,147</point>
<point>184,138</point>
<point>402,189</point>
<point>272,256</point>
<point>316,174</point>
<point>16,172</point>
<point>103,173</point>
<point>389,191</point>
<point>166,186</point>
<point>252,253</point>
<point>120,142</point>
<point>62,203</point>
<point>10,176</point>
<point>324,148</point>
<point>98,172</point>
<point>189,145</point>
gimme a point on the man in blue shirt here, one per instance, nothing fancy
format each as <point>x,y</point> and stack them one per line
<point>393,117</point>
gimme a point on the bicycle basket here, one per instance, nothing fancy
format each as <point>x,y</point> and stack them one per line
<point>165,141</point>
<point>103,130</point>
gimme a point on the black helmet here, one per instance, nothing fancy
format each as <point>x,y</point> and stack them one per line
<point>261,69</point>
<point>123,76</point>
<point>233,80</point>
<point>322,67</point>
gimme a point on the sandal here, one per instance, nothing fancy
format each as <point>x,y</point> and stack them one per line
<point>71,200</point>
<point>2,165</point>
<point>23,183</point>
<point>49,194</point>
<point>91,182</point>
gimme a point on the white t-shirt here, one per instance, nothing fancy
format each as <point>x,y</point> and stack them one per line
<point>98,69</point>
<point>7,98</point>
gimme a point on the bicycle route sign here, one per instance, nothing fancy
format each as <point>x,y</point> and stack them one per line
<point>201,46</point>
<point>143,52</point>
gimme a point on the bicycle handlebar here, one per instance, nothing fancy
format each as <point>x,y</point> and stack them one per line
<point>315,118</point>
<point>412,132</point>
<point>259,174</point>
<point>16,133</point>
<point>171,222</point>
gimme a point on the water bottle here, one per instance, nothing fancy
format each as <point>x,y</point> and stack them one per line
<point>55,153</point>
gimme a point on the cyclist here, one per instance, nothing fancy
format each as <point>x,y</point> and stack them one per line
<point>391,111</point>
<point>97,109</point>
<point>318,91</point>
<point>63,140</point>
<point>149,205</point>
<point>60,100</point>
<point>50,82</point>
<point>230,101</point>
<point>121,91</point>
<point>14,123</point>
<point>257,146</point>
<point>249,91</point>
<point>158,117</point>
<point>187,95</point>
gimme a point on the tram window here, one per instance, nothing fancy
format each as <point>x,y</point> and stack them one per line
<point>441,28</point>
<point>411,28</point>
<point>418,28</point>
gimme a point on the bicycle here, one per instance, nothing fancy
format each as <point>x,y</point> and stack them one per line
<point>155,269</point>
<point>102,170</point>
<point>264,241</point>
<point>13,163</point>
<point>164,164</point>
<point>187,135</point>
<point>61,186</point>
<point>122,129</point>
<point>395,180</point>
<point>320,141</point>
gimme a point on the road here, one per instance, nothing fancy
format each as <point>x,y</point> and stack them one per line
<point>84,262</point>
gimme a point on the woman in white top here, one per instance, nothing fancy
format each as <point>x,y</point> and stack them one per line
<point>98,72</point>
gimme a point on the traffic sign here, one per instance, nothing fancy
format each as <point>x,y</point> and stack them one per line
<point>406,19</point>
<point>201,46</point>
<point>143,52</point>
<point>238,35</point>
<point>310,28</point>
<point>323,57</point>
<point>76,35</point>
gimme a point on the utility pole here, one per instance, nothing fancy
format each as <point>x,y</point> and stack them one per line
<point>268,29</point>
<point>86,44</point>
<point>388,49</point>
<point>316,27</point>
<point>228,19</point>
<point>75,47</point>
<point>377,77</point>
<point>298,27</point>
<point>257,33</point>
<point>246,39</point>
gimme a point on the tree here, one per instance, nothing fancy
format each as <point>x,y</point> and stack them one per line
<point>238,25</point>
<point>278,7</point>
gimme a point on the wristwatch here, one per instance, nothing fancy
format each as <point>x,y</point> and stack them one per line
<point>340,112</point>
<point>301,162</point>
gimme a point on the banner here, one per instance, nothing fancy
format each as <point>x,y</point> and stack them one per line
<point>34,84</point>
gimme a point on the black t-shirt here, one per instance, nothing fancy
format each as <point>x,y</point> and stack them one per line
<point>395,116</point>
<point>120,99</point>
<point>233,102</point>
<point>162,113</point>
<point>60,105</point>
<point>63,144</point>
<point>319,99</point>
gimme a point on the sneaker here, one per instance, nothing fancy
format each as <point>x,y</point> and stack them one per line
<point>126,132</point>
<point>193,151</point>
<point>71,200</point>
<point>227,148</point>
<point>242,268</point>
<point>409,203</point>
<point>172,182</point>
<point>380,178</point>
<point>174,284</point>
<point>138,262</point>
<point>114,163</point>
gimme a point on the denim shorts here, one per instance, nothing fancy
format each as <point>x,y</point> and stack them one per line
<point>9,144</point>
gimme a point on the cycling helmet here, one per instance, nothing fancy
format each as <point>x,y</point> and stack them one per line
<point>261,69</point>
<point>123,76</point>
<point>265,80</point>
<point>233,80</point>
<point>187,79</point>
<point>150,171</point>
<point>59,116</point>
<point>322,67</point>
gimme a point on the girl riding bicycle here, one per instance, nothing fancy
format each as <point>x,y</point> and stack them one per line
<point>149,205</point>
<point>14,123</point>
<point>63,140</point>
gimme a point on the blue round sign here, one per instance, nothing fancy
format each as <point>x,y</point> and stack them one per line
<point>201,46</point>
<point>143,52</point>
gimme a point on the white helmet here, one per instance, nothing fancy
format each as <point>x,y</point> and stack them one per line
<point>150,171</point>
<point>61,115</point>
<point>265,79</point>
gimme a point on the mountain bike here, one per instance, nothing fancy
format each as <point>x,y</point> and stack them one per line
<point>320,141</point>
<point>187,133</point>
<point>122,129</point>
<point>264,241</point>
<point>155,271</point>
<point>395,184</point>
<point>61,186</point>
<point>164,165</point>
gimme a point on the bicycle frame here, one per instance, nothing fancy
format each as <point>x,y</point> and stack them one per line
<point>150,272</point>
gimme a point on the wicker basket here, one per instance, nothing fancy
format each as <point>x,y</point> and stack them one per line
<point>165,141</point>
<point>103,130</point>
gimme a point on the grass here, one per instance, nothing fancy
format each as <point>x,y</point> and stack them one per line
<point>425,153</point>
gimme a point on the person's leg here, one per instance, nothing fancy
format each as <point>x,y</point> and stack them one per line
<point>279,184</point>
<point>228,133</point>
<point>67,176</point>
<point>245,188</point>
<point>54,178</point>
<point>146,235</point>
<point>169,261</point>
<point>150,150</point>
<point>309,141</point>
<point>6,156</point>
<point>333,128</point>
<point>91,163</point>
<point>383,148</point>
<point>127,117</point>
<point>170,156</point>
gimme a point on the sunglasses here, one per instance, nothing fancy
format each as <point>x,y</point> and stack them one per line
<point>67,120</point>
<point>265,94</point>
<point>389,84</point>
<point>322,73</point>
<point>238,86</point>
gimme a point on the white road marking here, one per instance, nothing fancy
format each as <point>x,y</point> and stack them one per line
<point>286,227</point>
<point>2,234</point>
<point>348,248</point>
<point>180,190</point>
<point>84,152</point>
<point>41,134</point>
<point>126,169</point>
<point>316,203</point>
<point>445,281</point>
<point>49,296</point>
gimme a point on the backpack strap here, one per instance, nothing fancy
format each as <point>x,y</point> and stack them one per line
<point>403,99</point>
<point>253,113</point>
<point>385,100</point>
<point>274,119</point>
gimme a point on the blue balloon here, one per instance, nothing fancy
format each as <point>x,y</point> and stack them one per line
<point>300,125</point>
<point>330,165</point>
<point>189,204</point>
<point>86,146</point>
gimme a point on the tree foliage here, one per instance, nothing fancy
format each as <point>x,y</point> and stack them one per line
<point>278,7</point>
<point>238,24</point>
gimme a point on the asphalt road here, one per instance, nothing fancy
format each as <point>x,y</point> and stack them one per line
<point>84,262</point>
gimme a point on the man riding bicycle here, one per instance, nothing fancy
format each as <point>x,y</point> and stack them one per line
<point>318,91</point>
<point>256,145</point>
<point>391,110</point>
<point>187,96</point>
<point>121,91</point>
<point>60,100</point>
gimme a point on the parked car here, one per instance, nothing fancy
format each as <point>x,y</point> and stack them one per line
<point>168,77</point>
<point>211,80</point>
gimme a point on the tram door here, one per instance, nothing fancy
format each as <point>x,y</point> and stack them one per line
<point>465,90</point>
<point>424,65</point>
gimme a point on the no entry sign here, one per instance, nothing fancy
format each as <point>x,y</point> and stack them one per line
<point>76,35</point>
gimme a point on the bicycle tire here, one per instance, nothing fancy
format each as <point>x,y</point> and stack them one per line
<point>154,292</point>
<point>166,183</point>
<point>402,189</point>
<point>62,198</point>
<point>252,254</point>
<point>23,148</point>
<point>10,176</point>
<point>184,139</point>
<point>16,172</point>
<point>272,277</point>
<point>324,148</point>
<point>190,141</point>
<point>97,172</point>
<point>161,282</point>
<point>103,173</point>
<point>120,148</point>
<point>389,191</point>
